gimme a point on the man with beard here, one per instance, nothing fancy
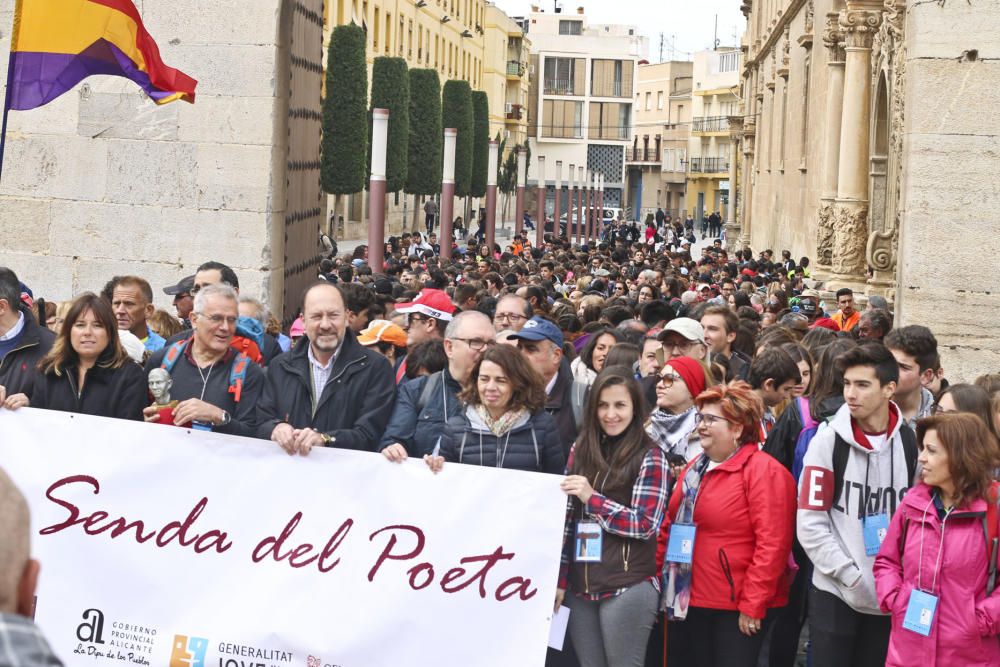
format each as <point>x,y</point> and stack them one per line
<point>329,391</point>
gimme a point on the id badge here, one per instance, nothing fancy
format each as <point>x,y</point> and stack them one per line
<point>874,528</point>
<point>589,540</point>
<point>680,546</point>
<point>201,426</point>
<point>920,612</point>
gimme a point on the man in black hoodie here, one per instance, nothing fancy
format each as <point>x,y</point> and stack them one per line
<point>22,343</point>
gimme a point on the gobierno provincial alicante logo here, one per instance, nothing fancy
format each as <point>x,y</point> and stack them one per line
<point>124,641</point>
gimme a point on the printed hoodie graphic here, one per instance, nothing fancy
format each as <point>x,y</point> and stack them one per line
<point>874,482</point>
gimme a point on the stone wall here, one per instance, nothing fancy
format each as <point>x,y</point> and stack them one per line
<point>951,183</point>
<point>102,182</point>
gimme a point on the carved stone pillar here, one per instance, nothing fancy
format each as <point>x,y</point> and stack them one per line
<point>833,39</point>
<point>850,235</point>
<point>735,183</point>
<point>748,172</point>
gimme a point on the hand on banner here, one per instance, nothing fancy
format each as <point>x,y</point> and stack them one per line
<point>3,394</point>
<point>284,435</point>
<point>749,626</point>
<point>577,485</point>
<point>435,463</point>
<point>305,440</point>
<point>151,414</point>
<point>15,401</point>
<point>395,453</point>
<point>194,409</point>
<point>560,596</point>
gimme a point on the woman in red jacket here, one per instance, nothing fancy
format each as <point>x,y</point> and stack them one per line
<point>727,535</point>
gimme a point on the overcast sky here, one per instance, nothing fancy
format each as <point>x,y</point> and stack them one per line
<point>687,25</point>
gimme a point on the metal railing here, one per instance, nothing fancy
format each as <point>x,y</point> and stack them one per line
<point>710,124</point>
<point>515,68</point>
<point>641,155</point>
<point>708,165</point>
<point>515,112</point>
<point>559,87</point>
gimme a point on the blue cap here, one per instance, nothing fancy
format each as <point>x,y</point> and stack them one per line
<point>539,328</point>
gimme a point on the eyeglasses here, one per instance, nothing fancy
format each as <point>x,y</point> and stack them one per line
<point>510,317</point>
<point>476,344</point>
<point>709,420</point>
<point>668,379</point>
<point>679,346</point>
<point>217,320</point>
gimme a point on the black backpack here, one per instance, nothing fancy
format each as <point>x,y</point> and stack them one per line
<point>841,451</point>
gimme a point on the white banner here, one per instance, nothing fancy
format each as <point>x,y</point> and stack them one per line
<point>167,547</point>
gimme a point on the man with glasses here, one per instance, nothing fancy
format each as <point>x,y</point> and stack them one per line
<point>425,404</point>
<point>541,343</point>
<point>512,313</point>
<point>217,387</point>
<point>329,391</point>
<point>683,337</point>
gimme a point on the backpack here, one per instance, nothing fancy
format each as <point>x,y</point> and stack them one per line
<point>237,374</point>
<point>842,450</point>
<point>434,381</point>
<point>809,428</point>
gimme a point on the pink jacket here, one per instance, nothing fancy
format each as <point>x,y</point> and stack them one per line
<point>967,622</point>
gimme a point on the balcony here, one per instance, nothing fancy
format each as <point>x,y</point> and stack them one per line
<point>642,155</point>
<point>559,87</point>
<point>515,69</point>
<point>709,124</point>
<point>515,112</point>
<point>709,165</point>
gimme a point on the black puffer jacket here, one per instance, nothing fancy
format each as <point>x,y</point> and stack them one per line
<point>781,440</point>
<point>534,444</point>
<point>17,368</point>
<point>107,392</point>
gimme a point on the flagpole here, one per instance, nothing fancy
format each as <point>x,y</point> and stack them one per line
<point>6,109</point>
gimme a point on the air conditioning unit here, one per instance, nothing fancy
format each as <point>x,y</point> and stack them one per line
<point>509,108</point>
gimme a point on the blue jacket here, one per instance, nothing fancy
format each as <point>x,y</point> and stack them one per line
<point>533,444</point>
<point>423,407</point>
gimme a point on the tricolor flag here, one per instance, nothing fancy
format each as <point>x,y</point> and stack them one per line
<point>58,43</point>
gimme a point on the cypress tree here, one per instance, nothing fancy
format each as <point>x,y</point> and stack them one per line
<point>457,113</point>
<point>345,113</point>
<point>480,143</point>
<point>391,90</point>
<point>426,138</point>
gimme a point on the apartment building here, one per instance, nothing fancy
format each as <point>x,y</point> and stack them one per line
<point>580,105</point>
<point>656,161</point>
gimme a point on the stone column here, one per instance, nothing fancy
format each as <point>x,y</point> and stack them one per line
<point>732,225</point>
<point>833,39</point>
<point>850,228</point>
<point>448,192</point>
<point>376,191</point>
<point>558,206</point>
<point>748,177</point>
<point>491,194</point>
<point>581,196</point>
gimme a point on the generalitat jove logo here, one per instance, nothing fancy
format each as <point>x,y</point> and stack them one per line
<point>191,651</point>
<point>124,641</point>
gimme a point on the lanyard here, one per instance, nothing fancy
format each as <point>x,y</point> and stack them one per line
<point>204,378</point>
<point>937,561</point>
<point>692,489</point>
<point>878,476</point>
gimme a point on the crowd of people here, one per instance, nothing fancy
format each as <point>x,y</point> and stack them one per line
<point>743,455</point>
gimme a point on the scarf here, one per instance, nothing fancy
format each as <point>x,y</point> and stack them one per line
<point>504,423</point>
<point>670,431</point>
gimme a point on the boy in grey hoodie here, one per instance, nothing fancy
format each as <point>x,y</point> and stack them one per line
<point>855,472</point>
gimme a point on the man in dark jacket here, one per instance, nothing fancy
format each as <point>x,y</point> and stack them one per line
<point>425,404</point>
<point>23,342</point>
<point>541,341</point>
<point>329,390</point>
<point>218,388</point>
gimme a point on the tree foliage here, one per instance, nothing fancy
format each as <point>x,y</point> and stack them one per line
<point>456,112</point>
<point>345,113</point>
<point>391,90</point>
<point>480,143</point>
<point>426,139</point>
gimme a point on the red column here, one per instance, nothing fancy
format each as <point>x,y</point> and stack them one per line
<point>448,193</point>
<point>376,191</point>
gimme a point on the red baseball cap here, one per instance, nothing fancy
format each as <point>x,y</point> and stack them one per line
<point>431,303</point>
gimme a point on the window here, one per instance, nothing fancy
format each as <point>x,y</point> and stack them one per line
<point>562,119</point>
<point>388,32</point>
<point>564,76</point>
<point>609,120</point>
<point>728,61</point>
<point>378,26</point>
<point>659,100</point>
<point>570,27</point>
<point>649,101</point>
<point>611,78</point>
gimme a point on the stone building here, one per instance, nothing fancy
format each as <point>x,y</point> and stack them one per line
<point>871,143</point>
<point>102,182</point>
<point>656,162</point>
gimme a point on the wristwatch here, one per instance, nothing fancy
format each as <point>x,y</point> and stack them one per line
<point>226,418</point>
<point>327,438</point>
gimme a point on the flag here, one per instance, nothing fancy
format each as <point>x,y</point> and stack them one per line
<point>58,43</point>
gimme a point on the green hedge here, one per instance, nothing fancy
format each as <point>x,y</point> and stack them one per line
<point>426,136</point>
<point>456,112</point>
<point>480,143</point>
<point>345,113</point>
